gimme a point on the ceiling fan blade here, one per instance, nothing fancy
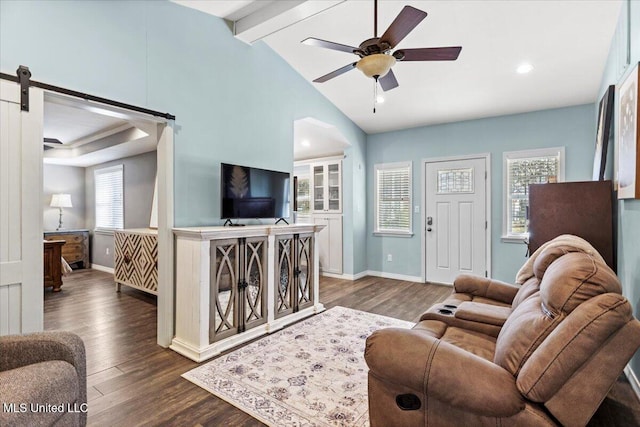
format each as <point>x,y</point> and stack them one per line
<point>311,41</point>
<point>428,54</point>
<point>388,81</point>
<point>408,18</point>
<point>52,141</point>
<point>335,73</point>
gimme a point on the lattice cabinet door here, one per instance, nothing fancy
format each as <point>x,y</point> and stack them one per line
<point>284,275</point>
<point>253,309</point>
<point>136,260</point>
<point>224,278</point>
<point>303,271</point>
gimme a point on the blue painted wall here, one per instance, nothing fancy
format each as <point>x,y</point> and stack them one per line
<point>571,127</point>
<point>234,103</point>
<point>628,210</point>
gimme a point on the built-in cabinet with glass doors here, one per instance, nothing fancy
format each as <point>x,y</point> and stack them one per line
<point>326,186</point>
<point>321,184</point>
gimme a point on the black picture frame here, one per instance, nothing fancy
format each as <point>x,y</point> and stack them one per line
<point>603,133</point>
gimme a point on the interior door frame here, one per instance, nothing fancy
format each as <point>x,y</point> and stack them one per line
<point>165,192</point>
<point>423,219</point>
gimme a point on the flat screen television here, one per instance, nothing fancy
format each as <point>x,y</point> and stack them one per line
<point>248,192</point>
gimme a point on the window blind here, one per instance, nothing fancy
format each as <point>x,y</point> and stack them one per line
<point>521,173</point>
<point>393,204</point>
<point>109,197</point>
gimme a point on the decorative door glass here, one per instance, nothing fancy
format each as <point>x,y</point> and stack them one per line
<point>318,188</point>
<point>452,181</point>
<point>304,282</point>
<point>334,186</point>
<point>254,312</point>
<point>224,269</point>
<point>284,276</point>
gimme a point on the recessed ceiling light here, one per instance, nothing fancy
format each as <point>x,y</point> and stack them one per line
<point>305,143</point>
<point>524,68</point>
<point>380,100</point>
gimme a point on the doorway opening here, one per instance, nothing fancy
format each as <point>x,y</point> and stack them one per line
<point>318,152</point>
<point>110,164</point>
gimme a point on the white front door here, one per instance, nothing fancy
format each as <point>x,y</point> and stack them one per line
<point>21,288</point>
<point>455,225</point>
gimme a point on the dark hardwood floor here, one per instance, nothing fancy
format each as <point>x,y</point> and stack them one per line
<point>132,381</point>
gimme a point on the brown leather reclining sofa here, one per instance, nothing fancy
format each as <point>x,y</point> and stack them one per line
<point>543,354</point>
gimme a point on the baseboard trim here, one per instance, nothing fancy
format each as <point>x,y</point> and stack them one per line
<point>346,276</point>
<point>102,268</point>
<point>394,276</point>
<point>633,380</point>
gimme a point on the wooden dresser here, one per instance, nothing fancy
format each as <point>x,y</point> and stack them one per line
<point>76,247</point>
<point>584,209</point>
<point>136,259</point>
<point>52,264</point>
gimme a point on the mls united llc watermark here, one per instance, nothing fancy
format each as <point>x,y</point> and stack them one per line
<point>44,407</point>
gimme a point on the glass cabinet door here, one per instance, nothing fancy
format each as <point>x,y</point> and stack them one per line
<point>284,275</point>
<point>223,320</point>
<point>327,187</point>
<point>334,186</point>
<point>318,188</point>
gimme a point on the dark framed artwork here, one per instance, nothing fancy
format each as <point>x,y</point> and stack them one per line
<point>628,137</point>
<point>605,113</point>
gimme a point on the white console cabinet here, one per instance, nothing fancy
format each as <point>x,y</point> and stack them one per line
<point>234,284</point>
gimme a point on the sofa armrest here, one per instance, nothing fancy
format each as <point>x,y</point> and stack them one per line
<point>485,287</point>
<point>482,313</point>
<point>443,371</point>
<point>22,350</point>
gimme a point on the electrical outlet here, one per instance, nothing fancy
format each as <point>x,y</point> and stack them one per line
<point>389,257</point>
<point>107,251</point>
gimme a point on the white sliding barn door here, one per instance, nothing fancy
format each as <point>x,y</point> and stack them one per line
<point>21,289</point>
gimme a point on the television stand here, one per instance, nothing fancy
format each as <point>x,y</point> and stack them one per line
<point>231,224</point>
<point>283,220</point>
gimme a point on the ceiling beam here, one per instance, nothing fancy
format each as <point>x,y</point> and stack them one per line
<point>259,19</point>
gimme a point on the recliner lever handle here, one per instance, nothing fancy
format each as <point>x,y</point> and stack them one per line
<point>408,402</point>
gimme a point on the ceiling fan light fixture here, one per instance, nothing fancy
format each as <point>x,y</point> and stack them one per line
<point>376,65</point>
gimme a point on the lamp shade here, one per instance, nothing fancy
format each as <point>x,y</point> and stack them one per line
<point>378,64</point>
<point>61,201</point>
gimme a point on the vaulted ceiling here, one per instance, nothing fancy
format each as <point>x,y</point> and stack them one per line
<point>565,41</point>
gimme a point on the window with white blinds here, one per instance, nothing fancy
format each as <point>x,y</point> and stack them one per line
<point>393,198</point>
<point>521,169</point>
<point>109,197</point>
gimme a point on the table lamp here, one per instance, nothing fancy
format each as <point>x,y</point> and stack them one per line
<point>61,201</point>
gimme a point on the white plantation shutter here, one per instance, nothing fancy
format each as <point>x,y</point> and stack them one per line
<point>523,168</point>
<point>109,197</point>
<point>393,198</point>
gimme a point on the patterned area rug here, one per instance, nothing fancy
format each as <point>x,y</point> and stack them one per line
<point>312,373</point>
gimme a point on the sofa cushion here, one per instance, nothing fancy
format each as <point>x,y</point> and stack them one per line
<point>52,383</point>
<point>571,344</point>
<point>474,342</point>
<point>568,281</point>
<point>573,279</point>
<point>522,333</point>
<point>548,256</point>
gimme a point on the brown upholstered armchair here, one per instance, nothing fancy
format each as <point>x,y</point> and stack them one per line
<point>552,362</point>
<point>43,380</point>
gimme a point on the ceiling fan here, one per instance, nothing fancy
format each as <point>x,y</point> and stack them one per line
<point>375,54</point>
